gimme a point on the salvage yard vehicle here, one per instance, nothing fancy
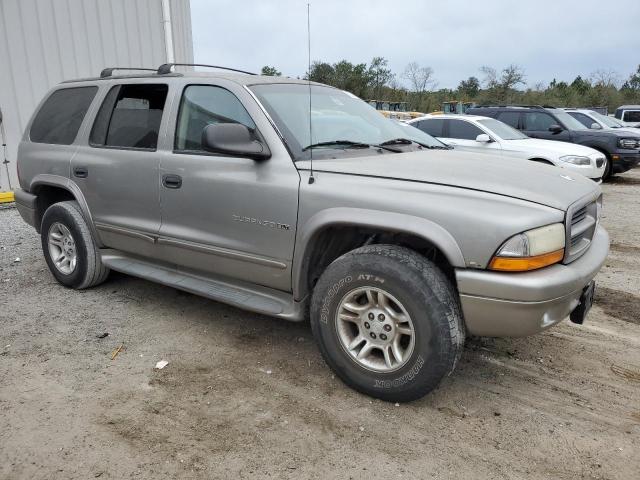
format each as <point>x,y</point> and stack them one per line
<point>596,121</point>
<point>629,115</point>
<point>622,149</point>
<point>296,199</point>
<point>487,135</point>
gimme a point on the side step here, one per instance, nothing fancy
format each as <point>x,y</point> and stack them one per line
<point>243,295</point>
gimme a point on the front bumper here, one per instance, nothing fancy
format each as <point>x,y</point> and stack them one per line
<point>498,304</point>
<point>26,205</point>
<point>621,162</point>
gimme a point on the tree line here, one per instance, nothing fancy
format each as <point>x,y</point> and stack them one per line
<point>417,86</point>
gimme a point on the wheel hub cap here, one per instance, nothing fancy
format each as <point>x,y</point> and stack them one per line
<point>375,329</point>
<point>62,248</point>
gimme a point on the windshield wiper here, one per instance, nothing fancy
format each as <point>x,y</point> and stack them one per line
<point>349,144</point>
<point>408,141</point>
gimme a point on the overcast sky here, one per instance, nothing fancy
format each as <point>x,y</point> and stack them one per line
<point>557,38</point>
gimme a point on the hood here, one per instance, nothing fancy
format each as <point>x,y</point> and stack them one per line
<point>633,131</point>
<point>552,147</point>
<point>522,179</point>
<point>607,133</point>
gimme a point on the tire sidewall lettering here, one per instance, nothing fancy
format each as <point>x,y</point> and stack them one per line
<point>404,379</point>
<point>331,292</point>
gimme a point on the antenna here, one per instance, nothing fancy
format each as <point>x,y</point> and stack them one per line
<point>311,178</point>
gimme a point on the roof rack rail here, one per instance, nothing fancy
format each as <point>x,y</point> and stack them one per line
<point>512,106</point>
<point>166,68</point>
<point>107,72</point>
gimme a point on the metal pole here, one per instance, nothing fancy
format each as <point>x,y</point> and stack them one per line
<point>5,161</point>
<point>168,34</point>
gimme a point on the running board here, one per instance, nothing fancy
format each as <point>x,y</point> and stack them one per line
<point>239,294</point>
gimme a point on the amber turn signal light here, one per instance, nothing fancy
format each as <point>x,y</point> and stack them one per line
<point>524,264</point>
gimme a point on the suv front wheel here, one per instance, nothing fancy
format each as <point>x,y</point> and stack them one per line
<point>69,247</point>
<point>388,322</point>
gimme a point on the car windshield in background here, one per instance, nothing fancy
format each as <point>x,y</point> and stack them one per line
<point>502,130</point>
<point>340,122</point>
<point>568,121</point>
<point>604,119</point>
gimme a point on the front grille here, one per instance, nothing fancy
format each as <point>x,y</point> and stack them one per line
<point>581,226</point>
<point>599,162</point>
<point>579,215</point>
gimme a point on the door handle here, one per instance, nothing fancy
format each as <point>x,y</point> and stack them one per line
<point>80,172</point>
<point>172,181</point>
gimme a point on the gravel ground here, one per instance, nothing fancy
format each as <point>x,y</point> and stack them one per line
<point>247,396</point>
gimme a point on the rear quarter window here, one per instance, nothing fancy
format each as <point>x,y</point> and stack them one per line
<point>59,119</point>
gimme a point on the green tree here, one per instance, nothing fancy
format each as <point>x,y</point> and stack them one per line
<point>469,87</point>
<point>634,81</point>
<point>321,72</point>
<point>379,75</point>
<point>270,71</point>
<point>580,85</point>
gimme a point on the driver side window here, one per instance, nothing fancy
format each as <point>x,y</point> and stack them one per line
<point>460,129</point>
<point>538,121</point>
<point>203,105</point>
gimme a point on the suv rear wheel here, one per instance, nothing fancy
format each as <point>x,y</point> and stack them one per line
<point>69,247</point>
<point>388,322</point>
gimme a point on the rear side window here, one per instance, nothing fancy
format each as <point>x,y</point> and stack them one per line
<point>463,130</point>
<point>631,116</point>
<point>203,105</point>
<point>130,117</point>
<point>510,118</point>
<point>432,126</point>
<point>61,115</point>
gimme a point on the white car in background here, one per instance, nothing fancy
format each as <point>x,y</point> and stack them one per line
<point>488,135</point>
<point>596,121</point>
<point>629,115</point>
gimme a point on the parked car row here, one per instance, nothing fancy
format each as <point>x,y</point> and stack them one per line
<point>594,151</point>
<point>298,200</point>
<point>488,135</point>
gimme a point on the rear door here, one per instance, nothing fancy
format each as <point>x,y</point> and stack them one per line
<point>510,118</point>
<point>118,170</point>
<point>226,215</point>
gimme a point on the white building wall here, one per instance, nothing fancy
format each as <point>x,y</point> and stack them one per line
<point>43,42</point>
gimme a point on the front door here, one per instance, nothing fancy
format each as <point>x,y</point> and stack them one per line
<point>462,135</point>
<point>537,124</point>
<point>118,170</point>
<point>225,215</point>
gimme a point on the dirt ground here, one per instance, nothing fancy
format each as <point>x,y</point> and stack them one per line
<point>247,396</point>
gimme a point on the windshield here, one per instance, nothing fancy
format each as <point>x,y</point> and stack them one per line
<point>604,119</point>
<point>569,122</point>
<point>335,116</point>
<point>502,130</point>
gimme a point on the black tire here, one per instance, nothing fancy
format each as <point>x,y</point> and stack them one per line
<point>429,299</point>
<point>608,171</point>
<point>89,270</point>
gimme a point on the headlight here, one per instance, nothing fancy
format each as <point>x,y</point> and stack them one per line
<point>628,143</point>
<point>576,160</point>
<point>531,250</point>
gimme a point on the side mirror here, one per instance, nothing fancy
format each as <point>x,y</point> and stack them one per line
<point>555,128</point>
<point>234,139</point>
<point>595,126</point>
<point>483,138</point>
